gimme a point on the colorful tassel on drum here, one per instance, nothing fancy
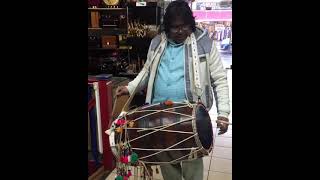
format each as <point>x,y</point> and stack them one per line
<point>131,123</point>
<point>129,173</point>
<point>119,129</point>
<point>125,159</point>
<point>129,159</point>
<point>127,176</point>
<point>120,122</point>
<point>119,177</point>
<point>134,157</point>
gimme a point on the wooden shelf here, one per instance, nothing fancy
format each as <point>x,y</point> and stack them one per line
<point>149,4</point>
<point>109,30</point>
<point>103,9</point>
<point>120,48</point>
<point>94,28</point>
<point>125,47</point>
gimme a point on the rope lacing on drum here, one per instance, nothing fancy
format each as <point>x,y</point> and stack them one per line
<point>191,105</point>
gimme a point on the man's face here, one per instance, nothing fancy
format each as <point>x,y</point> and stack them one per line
<point>179,31</point>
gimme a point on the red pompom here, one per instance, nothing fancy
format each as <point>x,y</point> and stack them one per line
<point>120,122</point>
<point>124,159</point>
<point>117,122</point>
<point>129,173</point>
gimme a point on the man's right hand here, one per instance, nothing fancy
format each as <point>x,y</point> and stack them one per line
<point>122,90</point>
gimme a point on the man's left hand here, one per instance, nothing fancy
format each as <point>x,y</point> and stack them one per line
<point>223,126</point>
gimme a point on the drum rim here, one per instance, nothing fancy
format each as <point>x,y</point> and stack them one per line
<point>113,148</point>
<point>194,127</point>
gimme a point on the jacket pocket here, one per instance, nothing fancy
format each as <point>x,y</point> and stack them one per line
<point>202,58</point>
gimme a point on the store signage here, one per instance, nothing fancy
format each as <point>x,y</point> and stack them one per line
<point>213,15</point>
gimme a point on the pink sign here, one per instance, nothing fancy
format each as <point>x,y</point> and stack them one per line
<point>213,15</point>
<point>199,15</point>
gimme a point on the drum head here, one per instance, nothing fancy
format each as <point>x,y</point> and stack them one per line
<point>204,126</point>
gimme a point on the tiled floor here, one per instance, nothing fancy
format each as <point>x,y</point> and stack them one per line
<point>218,165</point>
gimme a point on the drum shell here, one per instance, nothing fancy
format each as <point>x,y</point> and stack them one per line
<point>145,117</point>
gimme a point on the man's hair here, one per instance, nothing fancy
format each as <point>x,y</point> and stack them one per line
<point>176,9</point>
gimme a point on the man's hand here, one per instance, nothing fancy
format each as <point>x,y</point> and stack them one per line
<point>122,90</point>
<point>223,126</point>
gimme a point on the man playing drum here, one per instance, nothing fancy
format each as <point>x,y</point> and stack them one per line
<point>183,65</point>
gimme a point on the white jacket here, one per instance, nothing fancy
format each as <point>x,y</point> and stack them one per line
<point>213,76</point>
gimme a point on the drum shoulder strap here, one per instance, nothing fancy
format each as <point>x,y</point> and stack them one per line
<point>196,66</point>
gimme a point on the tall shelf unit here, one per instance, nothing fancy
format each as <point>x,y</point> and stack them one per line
<point>111,49</point>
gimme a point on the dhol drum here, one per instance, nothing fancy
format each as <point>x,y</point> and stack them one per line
<point>168,132</point>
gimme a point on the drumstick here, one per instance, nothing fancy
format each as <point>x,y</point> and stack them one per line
<point>223,122</point>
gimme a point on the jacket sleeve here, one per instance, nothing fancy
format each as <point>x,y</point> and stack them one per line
<point>141,81</point>
<point>219,83</point>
